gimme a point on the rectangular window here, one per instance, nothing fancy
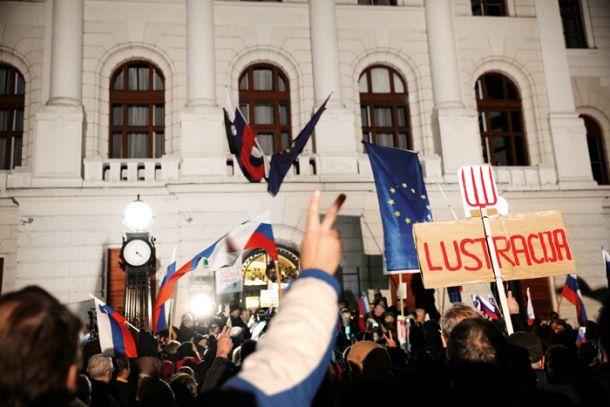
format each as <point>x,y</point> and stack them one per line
<point>137,145</point>
<point>159,145</point>
<point>137,116</point>
<point>263,114</point>
<point>571,19</point>
<point>495,8</point>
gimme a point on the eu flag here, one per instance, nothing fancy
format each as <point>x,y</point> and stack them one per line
<point>403,201</point>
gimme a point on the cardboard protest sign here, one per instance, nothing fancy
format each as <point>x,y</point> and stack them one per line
<point>528,245</point>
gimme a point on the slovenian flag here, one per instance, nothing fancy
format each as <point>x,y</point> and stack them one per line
<point>242,143</point>
<point>113,331</point>
<point>571,292</point>
<point>488,308</point>
<point>222,253</point>
<point>164,310</point>
<point>531,317</point>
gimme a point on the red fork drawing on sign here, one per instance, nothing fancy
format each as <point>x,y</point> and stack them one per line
<point>478,187</point>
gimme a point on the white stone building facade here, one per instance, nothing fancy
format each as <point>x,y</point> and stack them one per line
<point>60,209</point>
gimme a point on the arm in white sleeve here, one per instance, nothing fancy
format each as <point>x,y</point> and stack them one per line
<point>292,357</point>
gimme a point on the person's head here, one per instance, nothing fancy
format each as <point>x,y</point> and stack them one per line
<point>235,311</point>
<point>122,367</point>
<point>389,318</point>
<point>186,370</point>
<point>184,387</point>
<point>187,320</point>
<point>187,349</point>
<point>379,309</point>
<point>346,316</point>
<point>532,344</point>
<point>39,338</point>
<point>172,347</point>
<point>420,315</point>
<point>247,348</point>
<point>100,367</point>
<point>245,315</point>
<point>154,392</point>
<point>453,316</point>
<point>559,360</point>
<point>476,341</point>
<point>214,329</point>
<point>369,361</point>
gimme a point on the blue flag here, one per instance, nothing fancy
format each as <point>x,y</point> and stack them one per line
<point>281,162</point>
<point>403,201</point>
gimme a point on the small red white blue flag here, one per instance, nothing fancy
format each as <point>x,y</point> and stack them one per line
<point>531,317</point>
<point>571,292</point>
<point>488,307</point>
<point>113,331</point>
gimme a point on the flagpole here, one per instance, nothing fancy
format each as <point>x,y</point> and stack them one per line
<point>402,308</point>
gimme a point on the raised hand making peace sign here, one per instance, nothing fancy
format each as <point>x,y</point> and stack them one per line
<point>321,248</point>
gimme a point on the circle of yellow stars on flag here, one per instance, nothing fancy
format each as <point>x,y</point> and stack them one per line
<point>405,186</point>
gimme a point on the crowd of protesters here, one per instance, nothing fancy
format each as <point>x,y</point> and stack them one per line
<point>311,352</point>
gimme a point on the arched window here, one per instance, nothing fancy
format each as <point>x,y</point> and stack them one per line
<point>500,121</point>
<point>137,111</point>
<point>597,152</point>
<point>264,100</point>
<point>384,107</point>
<point>12,96</point>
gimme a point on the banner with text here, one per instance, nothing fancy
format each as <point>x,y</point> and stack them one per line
<point>528,245</point>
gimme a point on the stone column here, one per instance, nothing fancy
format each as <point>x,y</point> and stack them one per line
<point>202,134</point>
<point>456,129</point>
<point>568,132</point>
<point>57,152</point>
<point>67,52</point>
<point>335,137</point>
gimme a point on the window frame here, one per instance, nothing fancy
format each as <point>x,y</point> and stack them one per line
<point>274,97</point>
<point>13,102</point>
<point>393,100</point>
<point>125,98</point>
<point>504,105</point>
<point>576,15</point>
<point>590,123</point>
<point>375,3</point>
<point>485,9</point>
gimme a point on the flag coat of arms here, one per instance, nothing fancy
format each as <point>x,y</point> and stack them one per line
<point>403,201</point>
<point>113,331</point>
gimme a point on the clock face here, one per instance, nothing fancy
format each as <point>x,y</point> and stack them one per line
<point>137,252</point>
